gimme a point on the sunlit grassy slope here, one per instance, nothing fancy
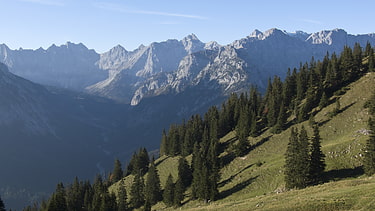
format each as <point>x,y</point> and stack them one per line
<point>256,181</point>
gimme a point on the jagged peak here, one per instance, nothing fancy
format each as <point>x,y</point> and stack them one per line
<point>191,36</point>
<point>326,36</point>
<point>273,31</point>
<point>118,48</point>
<point>212,45</point>
<point>263,35</point>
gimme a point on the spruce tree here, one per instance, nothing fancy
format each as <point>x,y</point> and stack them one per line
<point>168,194</point>
<point>281,120</point>
<point>179,190</point>
<point>297,160</point>
<point>371,61</point>
<point>242,130</point>
<point>254,128</point>
<point>58,199</point>
<point>323,101</point>
<point>369,160</point>
<point>2,206</point>
<point>152,187</point>
<point>303,159</point>
<point>164,144</point>
<point>197,170</point>
<point>74,196</point>
<point>184,172</point>
<point>117,173</point>
<point>137,197</point>
<point>122,197</point>
<point>317,163</point>
<point>291,156</point>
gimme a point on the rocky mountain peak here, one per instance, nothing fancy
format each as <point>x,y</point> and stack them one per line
<point>192,43</point>
<point>328,37</point>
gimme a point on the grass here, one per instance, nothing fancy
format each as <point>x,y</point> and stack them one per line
<point>256,181</point>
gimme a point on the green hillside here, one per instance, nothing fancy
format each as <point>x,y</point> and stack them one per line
<point>256,180</point>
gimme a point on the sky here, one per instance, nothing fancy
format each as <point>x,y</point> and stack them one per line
<point>103,24</point>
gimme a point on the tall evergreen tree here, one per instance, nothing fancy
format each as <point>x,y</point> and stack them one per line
<point>291,157</point>
<point>297,160</point>
<point>164,146</point>
<point>303,159</point>
<point>323,101</point>
<point>168,194</point>
<point>242,130</point>
<point>137,197</point>
<point>152,187</point>
<point>58,199</point>
<point>281,119</point>
<point>369,161</point>
<point>117,173</point>
<point>371,61</point>
<point>74,196</point>
<point>179,190</point>
<point>122,198</point>
<point>317,163</point>
<point>197,170</point>
<point>184,172</point>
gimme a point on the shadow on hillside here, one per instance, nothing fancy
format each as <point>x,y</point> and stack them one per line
<point>236,188</point>
<point>334,175</point>
<point>260,143</point>
<point>228,158</point>
<point>345,108</point>
<point>157,162</point>
<point>221,184</point>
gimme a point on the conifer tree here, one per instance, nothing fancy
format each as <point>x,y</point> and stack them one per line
<point>254,128</point>
<point>291,157</point>
<point>184,172</point>
<point>297,160</point>
<point>179,190</point>
<point>371,61</point>
<point>117,173</point>
<point>323,101</point>
<point>137,197</point>
<point>303,159</point>
<point>58,199</point>
<point>168,194</point>
<point>122,197</point>
<point>164,148</point>
<point>197,170</point>
<point>242,130</point>
<point>74,196</point>
<point>281,120</point>
<point>357,59</point>
<point>317,163</point>
<point>152,187</point>
<point>2,206</point>
<point>369,160</point>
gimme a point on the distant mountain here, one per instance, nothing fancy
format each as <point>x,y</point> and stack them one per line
<point>69,66</point>
<point>128,69</point>
<point>173,65</point>
<point>251,60</point>
<point>49,136</point>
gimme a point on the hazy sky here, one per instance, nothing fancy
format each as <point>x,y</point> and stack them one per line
<point>102,24</point>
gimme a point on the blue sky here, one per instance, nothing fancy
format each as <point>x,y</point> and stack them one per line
<point>102,24</point>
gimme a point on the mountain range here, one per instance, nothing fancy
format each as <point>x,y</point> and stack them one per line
<point>174,65</point>
<point>69,109</point>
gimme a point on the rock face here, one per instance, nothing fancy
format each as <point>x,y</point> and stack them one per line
<point>251,60</point>
<point>171,66</point>
<point>69,66</point>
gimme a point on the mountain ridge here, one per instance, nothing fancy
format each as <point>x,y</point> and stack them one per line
<point>123,75</point>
